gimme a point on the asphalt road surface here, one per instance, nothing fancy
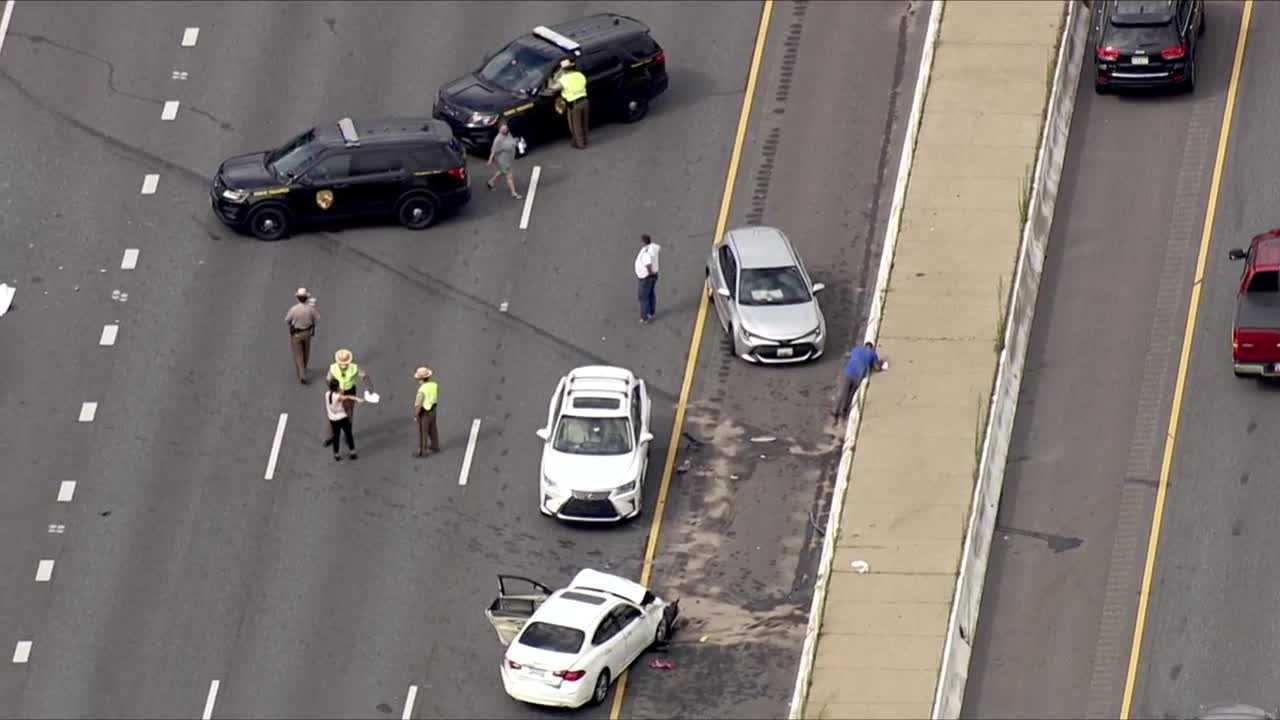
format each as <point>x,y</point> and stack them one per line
<point>1066,565</point>
<point>329,589</point>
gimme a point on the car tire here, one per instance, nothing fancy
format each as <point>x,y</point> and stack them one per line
<point>269,222</point>
<point>634,108</point>
<point>1204,20</point>
<point>1100,89</point>
<point>1190,84</point>
<point>601,690</point>
<point>417,212</point>
<point>662,633</point>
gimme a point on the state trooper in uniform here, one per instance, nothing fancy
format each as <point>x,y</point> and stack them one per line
<point>424,412</point>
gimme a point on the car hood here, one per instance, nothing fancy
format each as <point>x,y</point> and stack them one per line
<point>780,322</point>
<point>469,94</point>
<point>247,172</point>
<point>589,473</point>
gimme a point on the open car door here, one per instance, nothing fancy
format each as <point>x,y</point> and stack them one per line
<point>518,598</point>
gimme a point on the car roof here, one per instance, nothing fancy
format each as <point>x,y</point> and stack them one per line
<point>600,28</point>
<point>560,608</point>
<point>380,131</point>
<point>599,381</point>
<point>761,247</point>
<point>1142,12</point>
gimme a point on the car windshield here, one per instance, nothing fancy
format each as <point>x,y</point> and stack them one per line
<point>556,638</point>
<point>519,67</point>
<point>593,436</point>
<point>294,155</point>
<point>773,286</point>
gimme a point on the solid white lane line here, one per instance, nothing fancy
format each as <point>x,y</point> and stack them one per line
<point>189,36</point>
<point>130,259</point>
<point>408,703</point>
<point>109,333</point>
<point>44,571</point>
<point>275,447</point>
<point>528,197</point>
<point>149,183</point>
<point>22,651</point>
<point>88,411</point>
<point>170,110</point>
<point>471,451</point>
<point>208,702</point>
<point>66,490</point>
<point>4,21</point>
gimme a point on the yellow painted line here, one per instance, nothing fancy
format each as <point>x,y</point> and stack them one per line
<point>735,157</point>
<point>1175,411</point>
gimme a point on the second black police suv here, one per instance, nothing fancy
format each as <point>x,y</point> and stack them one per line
<point>625,70</point>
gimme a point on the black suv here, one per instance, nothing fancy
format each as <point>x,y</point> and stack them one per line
<point>625,70</point>
<point>1147,44</point>
<point>411,169</point>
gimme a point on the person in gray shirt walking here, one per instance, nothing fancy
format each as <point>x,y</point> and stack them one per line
<point>503,153</point>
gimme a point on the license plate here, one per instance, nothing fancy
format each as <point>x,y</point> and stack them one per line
<point>786,352</point>
<point>1140,60</point>
<point>535,672</point>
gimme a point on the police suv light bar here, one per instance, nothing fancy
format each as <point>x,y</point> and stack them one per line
<point>557,39</point>
<point>349,135</point>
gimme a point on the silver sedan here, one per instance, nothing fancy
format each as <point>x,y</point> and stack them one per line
<point>764,297</point>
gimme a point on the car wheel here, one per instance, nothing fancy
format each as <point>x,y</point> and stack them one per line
<point>1204,20</point>
<point>601,690</point>
<point>732,344</point>
<point>417,212</point>
<point>662,633</point>
<point>1099,88</point>
<point>634,109</point>
<point>269,222</point>
<point>1190,84</point>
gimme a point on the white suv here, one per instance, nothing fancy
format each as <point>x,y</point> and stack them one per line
<point>596,446</point>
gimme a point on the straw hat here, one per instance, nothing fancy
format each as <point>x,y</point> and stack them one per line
<point>422,373</point>
<point>343,357</point>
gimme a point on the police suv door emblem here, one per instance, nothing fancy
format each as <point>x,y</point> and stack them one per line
<point>324,199</point>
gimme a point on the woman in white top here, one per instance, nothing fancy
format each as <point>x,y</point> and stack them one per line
<point>339,420</point>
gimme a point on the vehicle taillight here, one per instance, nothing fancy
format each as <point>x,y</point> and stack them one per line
<point>459,172</point>
<point>570,675</point>
<point>1174,53</point>
<point>514,665</point>
<point>1108,54</point>
<point>661,57</point>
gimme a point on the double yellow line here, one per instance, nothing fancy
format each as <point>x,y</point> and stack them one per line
<point>1175,411</point>
<point>691,362</point>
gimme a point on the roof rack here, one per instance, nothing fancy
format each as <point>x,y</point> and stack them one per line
<point>349,135</point>
<point>557,39</point>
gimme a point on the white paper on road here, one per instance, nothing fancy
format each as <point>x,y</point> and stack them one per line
<point>372,397</point>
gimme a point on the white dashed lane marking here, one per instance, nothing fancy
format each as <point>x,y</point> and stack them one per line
<point>408,703</point>
<point>4,21</point>
<point>470,454</point>
<point>108,335</point>
<point>130,259</point>
<point>22,651</point>
<point>44,571</point>
<point>66,490</point>
<point>149,183</point>
<point>208,701</point>
<point>88,411</point>
<point>189,36</point>
<point>170,110</point>
<point>275,447</point>
<point>528,198</point>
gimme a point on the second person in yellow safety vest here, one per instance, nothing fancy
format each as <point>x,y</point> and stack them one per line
<point>572,85</point>
<point>424,412</point>
<point>345,370</point>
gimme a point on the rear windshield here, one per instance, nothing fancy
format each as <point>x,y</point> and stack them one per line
<point>1140,37</point>
<point>555,638</point>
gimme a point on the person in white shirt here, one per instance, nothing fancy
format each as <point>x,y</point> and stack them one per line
<point>339,421</point>
<point>647,272</point>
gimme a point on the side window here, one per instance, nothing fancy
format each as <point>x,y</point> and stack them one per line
<point>1264,281</point>
<point>640,47</point>
<point>607,629</point>
<point>427,158</point>
<point>599,63</point>
<point>635,411</point>
<point>626,615</point>
<point>1184,13</point>
<point>729,266</point>
<point>334,167</point>
<point>376,162</point>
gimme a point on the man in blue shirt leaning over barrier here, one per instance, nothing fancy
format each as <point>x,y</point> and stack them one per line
<point>862,359</point>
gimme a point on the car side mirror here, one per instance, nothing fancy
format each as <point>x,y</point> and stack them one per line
<point>724,292</point>
<point>1236,254</point>
<point>544,433</point>
<point>818,287</point>
<point>646,437</point>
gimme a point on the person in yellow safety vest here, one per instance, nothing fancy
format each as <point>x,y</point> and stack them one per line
<point>424,412</point>
<point>572,85</point>
<point>346,372</point>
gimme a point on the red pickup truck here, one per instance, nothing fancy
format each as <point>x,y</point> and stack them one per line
<point>1255,336</point>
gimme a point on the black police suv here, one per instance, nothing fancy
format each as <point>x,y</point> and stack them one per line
<point>1147,44</point>
<point>410,169</point>
<point>625,70</point>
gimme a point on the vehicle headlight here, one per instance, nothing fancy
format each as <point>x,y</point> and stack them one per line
<point>235,196</point>
<point>548,482</point>
<point>814,336</point>
<point>479,119</point>
<point>625,488</point>
<point>749,337</point>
